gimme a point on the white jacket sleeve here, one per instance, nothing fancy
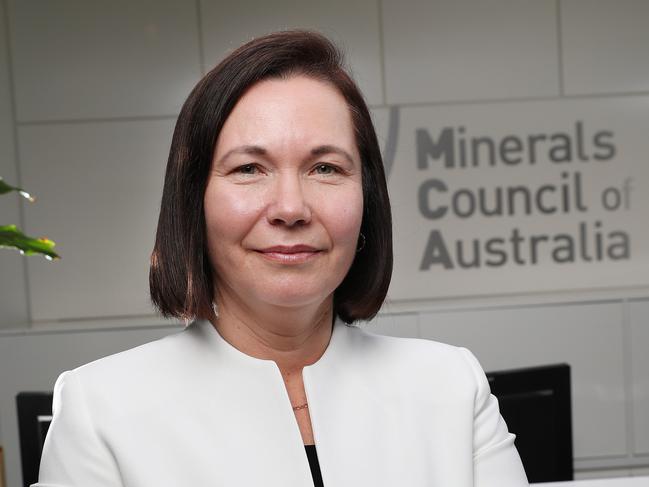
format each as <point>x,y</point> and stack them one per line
<point>73,453</point>
<point>496,462</point>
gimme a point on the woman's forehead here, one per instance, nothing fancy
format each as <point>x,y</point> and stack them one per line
<point>299,99</point>
<point>282,113</point>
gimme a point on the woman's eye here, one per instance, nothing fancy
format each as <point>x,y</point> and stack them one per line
<point>247,169</point>
<point>325,169</point>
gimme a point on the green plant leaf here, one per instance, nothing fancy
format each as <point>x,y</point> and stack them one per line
<point>7,188</point>
<point>11,237</point>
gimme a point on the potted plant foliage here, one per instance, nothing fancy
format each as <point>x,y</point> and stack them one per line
<point>12,237</point>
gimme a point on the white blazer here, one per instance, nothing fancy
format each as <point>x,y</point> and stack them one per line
<point>192,410</point>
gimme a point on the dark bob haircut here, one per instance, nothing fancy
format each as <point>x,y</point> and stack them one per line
<point>181,278</point>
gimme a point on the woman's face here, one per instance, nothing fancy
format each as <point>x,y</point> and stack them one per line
<point>284,200</point>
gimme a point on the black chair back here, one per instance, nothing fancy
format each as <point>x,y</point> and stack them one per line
<point>34,418</point>
<point>536,405</point>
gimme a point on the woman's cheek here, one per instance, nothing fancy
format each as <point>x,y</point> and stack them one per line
<point>344,214</point>
<point>234,207</point>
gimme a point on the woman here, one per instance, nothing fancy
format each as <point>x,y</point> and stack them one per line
<point>275,233</point>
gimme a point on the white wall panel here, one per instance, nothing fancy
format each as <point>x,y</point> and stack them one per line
<point>354,26</point>
<point>605,46</point>
<point>381,120</point>
<point>13,301</point>
<point>79,59</point>
<point>640,472</point>
<point>594,478</point>
<point>465,50</point>
<point>386,125</point>
<point>99,187</point>
<point>40,358</point>
<point>639,329</point>
<point>588,337</point>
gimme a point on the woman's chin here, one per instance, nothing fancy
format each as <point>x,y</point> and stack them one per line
<point>294,301</point>
<point>292,296</point>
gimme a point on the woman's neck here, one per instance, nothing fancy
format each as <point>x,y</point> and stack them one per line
<point>293,338</point>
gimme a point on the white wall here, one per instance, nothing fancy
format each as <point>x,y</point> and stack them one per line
<point>89,92</point>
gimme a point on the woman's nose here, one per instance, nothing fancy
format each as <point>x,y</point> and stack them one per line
<point>289,205</point>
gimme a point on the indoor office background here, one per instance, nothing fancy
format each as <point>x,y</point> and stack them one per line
<point>89,93</point>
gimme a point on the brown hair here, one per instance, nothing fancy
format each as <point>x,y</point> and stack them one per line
<point>181,279</point>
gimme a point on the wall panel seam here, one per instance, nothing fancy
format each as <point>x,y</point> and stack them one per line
<point>201,47</point>
<point>379,5</point>
<point>560,49</point>
<point>81,121</point>
<point>522,99</point>
<point>14,128</point>
<point>627,351</point>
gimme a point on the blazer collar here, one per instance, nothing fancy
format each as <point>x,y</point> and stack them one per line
<point>339,343</point>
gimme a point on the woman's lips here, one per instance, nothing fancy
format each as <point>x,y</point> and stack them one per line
<point>293,254</point>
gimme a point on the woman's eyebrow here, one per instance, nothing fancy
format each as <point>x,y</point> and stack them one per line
<point>260,151</point>
<point>329,149</point>
<point>244,149</point>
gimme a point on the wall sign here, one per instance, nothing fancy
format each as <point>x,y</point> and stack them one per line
<point>519,197</point>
